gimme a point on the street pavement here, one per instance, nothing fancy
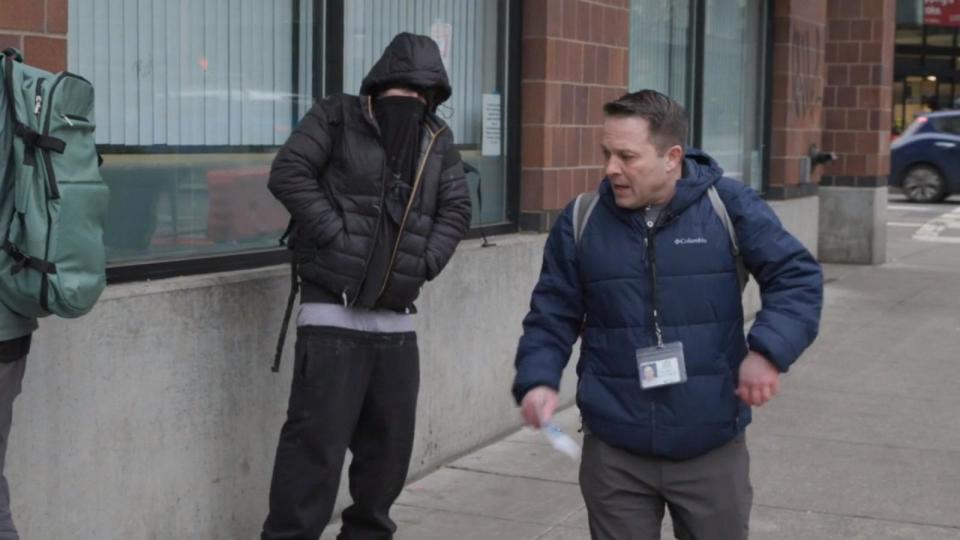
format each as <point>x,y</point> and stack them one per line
<point>863,441</point>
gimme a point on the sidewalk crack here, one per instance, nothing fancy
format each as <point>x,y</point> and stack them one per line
<point>506,475</point>
<point>559,523</point>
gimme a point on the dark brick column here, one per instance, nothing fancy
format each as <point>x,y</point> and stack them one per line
<point>38,28</point>
<point>857,101</point>
<point>574,59</point>
<point>860,75</point>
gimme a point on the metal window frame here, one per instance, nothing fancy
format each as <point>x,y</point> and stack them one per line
<point>768,45</point>
<point>699,57</point>
<point>509,36</point>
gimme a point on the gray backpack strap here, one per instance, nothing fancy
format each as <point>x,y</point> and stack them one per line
<point>582,208</point>
<point>721,210</point>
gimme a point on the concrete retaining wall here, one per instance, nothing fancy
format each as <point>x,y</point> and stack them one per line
<point>156,416</point>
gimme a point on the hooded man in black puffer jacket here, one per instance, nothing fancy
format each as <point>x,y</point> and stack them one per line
<point>379,201</point>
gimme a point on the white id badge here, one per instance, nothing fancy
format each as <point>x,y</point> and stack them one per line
<point>661,366</point>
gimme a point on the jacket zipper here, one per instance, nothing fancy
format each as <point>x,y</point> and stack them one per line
<point>650,231</point>
<point>653,426</point>
<point>406,213</point>
<point>662,219</point>
<point>349,302</point>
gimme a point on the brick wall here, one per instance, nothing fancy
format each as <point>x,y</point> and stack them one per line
<point>38,28</point>
<point>799,73</point>
<point>858,93</point>
<point>574,59</point>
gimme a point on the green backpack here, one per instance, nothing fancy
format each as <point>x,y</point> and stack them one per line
<point>53,203</point>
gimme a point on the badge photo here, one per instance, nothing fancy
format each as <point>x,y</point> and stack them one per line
<point>661,366</point>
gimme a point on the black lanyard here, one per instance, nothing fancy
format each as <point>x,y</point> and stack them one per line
<point>650,241</point>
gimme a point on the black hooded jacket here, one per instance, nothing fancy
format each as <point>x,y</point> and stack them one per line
<point>332,177</point>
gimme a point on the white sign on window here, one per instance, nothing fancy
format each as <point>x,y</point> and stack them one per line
<point>492,125</point>
<point>442,33</point>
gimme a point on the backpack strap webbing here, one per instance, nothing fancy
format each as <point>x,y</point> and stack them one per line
<point>721,210</point>
<point>31,137</point>
<point>582,208</point>
<point>288,312</point>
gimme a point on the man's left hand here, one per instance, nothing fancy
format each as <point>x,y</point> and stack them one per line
<point>759,380</point>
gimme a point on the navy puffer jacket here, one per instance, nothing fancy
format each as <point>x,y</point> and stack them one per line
<point>607,279</point>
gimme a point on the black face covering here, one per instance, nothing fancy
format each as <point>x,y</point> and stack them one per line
<point>400,118</point>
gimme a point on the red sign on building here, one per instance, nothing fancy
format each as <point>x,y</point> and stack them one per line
<point>941,12</point>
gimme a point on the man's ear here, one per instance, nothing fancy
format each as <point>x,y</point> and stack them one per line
<point>674,157</point>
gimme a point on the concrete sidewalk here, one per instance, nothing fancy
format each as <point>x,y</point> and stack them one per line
<point>863,442</point>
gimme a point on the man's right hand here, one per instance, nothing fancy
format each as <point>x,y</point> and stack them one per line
<point>538,406</point>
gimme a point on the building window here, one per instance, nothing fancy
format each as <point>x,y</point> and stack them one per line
<point>909,35</point>
<point>733,87</point>
<point>940,36</point>
<point>708,55</point>
<point>926,66</point>
<point>660,48</point>
<point>195,98</point>
<point>472,44</point>
<point>192,101</point>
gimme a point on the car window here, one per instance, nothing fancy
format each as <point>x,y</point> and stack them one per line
<point>914,126</point>
<point>948,124</point>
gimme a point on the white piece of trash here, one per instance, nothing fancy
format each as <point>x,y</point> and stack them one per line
<point>561,441</point>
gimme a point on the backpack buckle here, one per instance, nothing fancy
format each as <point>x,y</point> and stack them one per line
<point>20,260</point>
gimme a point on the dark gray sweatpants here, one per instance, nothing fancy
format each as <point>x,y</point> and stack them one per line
<point>355,390</point>
<point>709,497</point>
<point>11,376</point>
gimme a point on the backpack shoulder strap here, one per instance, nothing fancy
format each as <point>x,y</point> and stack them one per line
<point>288,311</point>
<point>333,108</point>
<point>721,209</point>
<point>8,58</point>
<point>582,208</point>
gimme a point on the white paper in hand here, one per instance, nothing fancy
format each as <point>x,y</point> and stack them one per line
<point>561,441</point>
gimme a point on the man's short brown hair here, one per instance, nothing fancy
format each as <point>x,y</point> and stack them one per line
<point>667,118</point>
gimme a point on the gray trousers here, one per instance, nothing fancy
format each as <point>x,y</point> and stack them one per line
<point>709,497</point>
<point>11,375</point>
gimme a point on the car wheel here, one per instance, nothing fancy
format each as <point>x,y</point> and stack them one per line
<point>924,184</point>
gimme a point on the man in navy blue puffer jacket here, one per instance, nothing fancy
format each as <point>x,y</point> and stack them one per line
<point>655,258</point>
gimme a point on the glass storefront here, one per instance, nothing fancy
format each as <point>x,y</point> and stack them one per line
<point>664,36</point>
<point>194,99</point>
<point>926,66</point>
<point>472,44</point>
<point>660,48</point>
